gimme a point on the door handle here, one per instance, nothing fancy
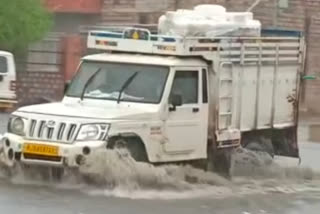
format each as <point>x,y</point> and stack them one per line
<point>195,110</point>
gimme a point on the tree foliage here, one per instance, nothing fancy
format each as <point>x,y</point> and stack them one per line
<point>22,22</point>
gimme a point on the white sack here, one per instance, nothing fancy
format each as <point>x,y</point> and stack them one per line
<point>208,21</point>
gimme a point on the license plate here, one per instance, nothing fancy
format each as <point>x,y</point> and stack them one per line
<point>40,149</point>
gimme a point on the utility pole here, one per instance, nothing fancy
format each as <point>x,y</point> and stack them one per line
<point>307,26</point>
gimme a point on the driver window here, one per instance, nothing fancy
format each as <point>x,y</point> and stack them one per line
<point>3,65</point>
<point>186,84</point>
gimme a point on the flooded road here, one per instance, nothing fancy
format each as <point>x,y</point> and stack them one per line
<point>139,188</point>
<point>31,200</point>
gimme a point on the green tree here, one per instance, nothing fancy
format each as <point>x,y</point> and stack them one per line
<point>22,22</point>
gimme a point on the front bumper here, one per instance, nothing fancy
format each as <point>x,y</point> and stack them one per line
<point>68,155</point>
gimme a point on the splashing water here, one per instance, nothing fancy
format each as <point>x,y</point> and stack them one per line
<point>119,169</point>
<point>123,177</point>
<point>253,173</point>
<point>257,165</point>
<point>115,173</point>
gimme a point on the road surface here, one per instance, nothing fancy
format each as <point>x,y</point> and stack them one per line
<point>145,189</point>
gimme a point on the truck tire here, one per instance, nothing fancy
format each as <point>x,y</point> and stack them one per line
<point>133,145</point>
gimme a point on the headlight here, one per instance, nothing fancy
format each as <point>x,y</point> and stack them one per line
<point>16,126</point>
<point>92,132</point>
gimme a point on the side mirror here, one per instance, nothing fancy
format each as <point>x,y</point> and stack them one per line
<point>175,100</point>
<point>66,86</point>
<point>1,78</point>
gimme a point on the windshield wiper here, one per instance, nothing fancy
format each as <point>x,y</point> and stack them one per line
<point>125,85</point>
<point>88,82</point>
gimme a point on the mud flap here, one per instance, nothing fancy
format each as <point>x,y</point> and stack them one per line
<point>222,163</point>
<point>285,143</point>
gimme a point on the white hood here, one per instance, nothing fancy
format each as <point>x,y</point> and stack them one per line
<point>91,112</point>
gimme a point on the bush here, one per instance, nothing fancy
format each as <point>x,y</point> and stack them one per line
<point>22,22</point>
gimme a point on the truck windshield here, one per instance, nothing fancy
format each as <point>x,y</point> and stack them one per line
<point>146,87</point>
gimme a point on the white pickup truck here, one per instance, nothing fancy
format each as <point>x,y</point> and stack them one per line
<point>167,100</point>
<point>7,80</point>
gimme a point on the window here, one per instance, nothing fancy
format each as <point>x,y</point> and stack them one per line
<point>283,4</point>
<point>204,86</point>
<point>186,84</point>
<point>44,56</point>
<point>3,65</point>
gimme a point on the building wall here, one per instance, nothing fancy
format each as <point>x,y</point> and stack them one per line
<point>48,65</point>
<point>36,87</point>
<point>70,23</point>
<point>117,11</point>
<point>135,11</point>
<point>312,87</point>
<point>74,6</point>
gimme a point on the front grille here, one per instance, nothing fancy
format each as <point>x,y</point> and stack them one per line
<point>52,131</point>
<point>42,157</point>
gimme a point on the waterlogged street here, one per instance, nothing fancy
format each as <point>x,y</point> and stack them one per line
<point>129,187</point>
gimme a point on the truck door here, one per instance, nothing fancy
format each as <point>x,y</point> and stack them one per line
<point>7,77</point>
<point>186,126</point>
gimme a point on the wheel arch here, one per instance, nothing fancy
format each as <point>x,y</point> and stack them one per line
<point>130,136</point>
